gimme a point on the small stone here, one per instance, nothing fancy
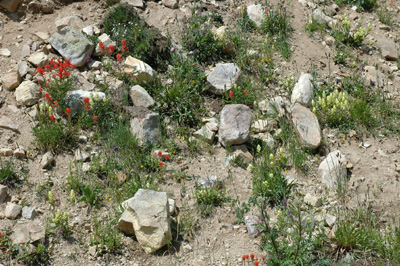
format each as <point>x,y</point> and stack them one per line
<point>172,207</point>
<point>11,80</point>
<point>38,59</point>
<point>307,126</point>
<point>6,152</point>
<point>73,21</point>
<point>28,213</point>
<point>27,232</point>
<point>92,251</point>
<point>313,200</point>
<point>20,153</point>
<point>256,13</point>
<point>27,93</point>
<point>140,97</point>
<point>330,220</point>
<point>5,52</point>
<point>241,153</point>
<point>222,78</point>
<point>134,3</point>
<point>206,134</point>
<point>81,156</point>
<point>7,123</point>
<point>3,193</point>
<point>303,91</point>
<point>235,123</point>
<point>138,71</point>
<point>47,159</point>
<point>171,3</point>
<point>12,210</point>
<point>252,222</point>
<point>332,170</point>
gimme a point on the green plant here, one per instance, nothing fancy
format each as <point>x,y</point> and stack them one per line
<point>90,195</point>
<point>342,54</point>
<point>60,221</point>
<point>244,22</point>
<point>105,235</point>
<point>333,108</point>
<point>366,5</point>
<point>314,26</point>
<point>385,16</point>
<point>8,174</point>
<point>240,94</point>
<point>240,212</point>
<point>342,32</point>
<point>198,39</point>
<point>187,224</point>
<point>209,196</point>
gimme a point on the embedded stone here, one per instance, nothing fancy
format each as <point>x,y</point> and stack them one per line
<point>306,126</point>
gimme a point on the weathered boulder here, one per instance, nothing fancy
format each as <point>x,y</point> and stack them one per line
<point>306,126</point>
<point>303,91</point>
<point>222,78</point>
<point>27,93</point>
<point>138,70</point>
<point>333,170</point>
<point>27,232</point>
<point>72,44</point>
<point>148,212</point>
<point>256,13</point>
<point>11,80</point>
<point>235,124</point>
<point>12,210</point>
<point>146,128</point>
<point>140,97</point>
<point>28,213</point>
<point>389,50</point>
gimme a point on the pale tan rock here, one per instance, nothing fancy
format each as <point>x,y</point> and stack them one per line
<point>11,80</point>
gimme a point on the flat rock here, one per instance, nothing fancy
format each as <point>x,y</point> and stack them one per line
<point>222,78</point>
<point>72,44</point>
<point>206,134</point>
<point>22,68</point>
<point>306,126</point>
<point>125,223</point>
<point>314,201</point>
<point>38,59</point>
<point>26,50</point>
<point>133,3</point>
<point>27,93</point>
<point>373,76</point>
<point>5,52</point>
<point>333,170</point>
<point>256,13</point>
<point>11,80</point>
<point>147,128</point>
<point>81,156</point>
<point>47,159</point>
<point>42,36</point>
<point>12,210</point>
<point>3,193</point>
<point>274,107</point>
<point>27,232</point>
<point>28,213</point>
<point>389,50</point>
<point>138,71</point>
<point>241,153</point>
<point>7,123</point>
<point>150,218</point>
<point>72,21</point>
<point>140,97</point>
<point>303,91</point>
<point>235,124</point>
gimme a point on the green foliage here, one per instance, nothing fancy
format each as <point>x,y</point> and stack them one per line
<point>61,225</point>
<point>210,196</point>
<point>314,26</point>
<point>342,32</point>
<point>385,16</point>
<point>106,236</point>
<point>342,54</point>
<point>366,5</point>
<point>198,38</point>
<point>241,212</point>
<point>187,224</point>
<point>245,23</point>
<point>244,93</point>
<point>332,108</point>
<point>123,23</point>
<point>268,180</point>
<point>91,195</point>
<point>8,174</point>
<point>181,101</point>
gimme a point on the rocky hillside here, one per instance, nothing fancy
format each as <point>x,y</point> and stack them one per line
<point>199,132</point>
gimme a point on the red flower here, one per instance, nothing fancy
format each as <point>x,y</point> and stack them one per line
<point>230,94</point>
<point>119,58</point>
<point>66,73</point>
<point>86,103</point>
<point>167,157</point>
<point>252,256</point>
<point>244,257</point>
<point>247,256</point>
<point>256,263</point>
<point>245,92</point>
<point>102,47</point>
<point>161,164</point>
<point>111,49</point>
<point>52,118</point>
<point>159,153</point>
<point>56,66</point>
<point>56,103</point>
<point>59,60</point>
<point>51,62</point>
<point>40,70</point>
<point>263,257</point>
<point>40,89</point>
<point>86,100</point>
<point>47,96</point>
<point>68,111</point>
<point>392,3</point>
<point>95,118</point>
<point>266,10</point>
<point>124,48</point>
<point>47,67</point>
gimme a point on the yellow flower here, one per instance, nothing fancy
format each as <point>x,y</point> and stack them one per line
<point>141,166</point>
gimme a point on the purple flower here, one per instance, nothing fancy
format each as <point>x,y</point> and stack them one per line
<point>194,104</point>
<point>89,59</point>
<point>115,147</point>
<point>172,49</point>
<point>372,83</point>
<point>191,52</point>
<point>185,148</point>
<point>107,151</point>
<point>44,241</point>
<point>284,202</point>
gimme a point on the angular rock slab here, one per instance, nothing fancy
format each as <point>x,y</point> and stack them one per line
<point>29,231</point>
<point>149,211</point>
<point>7,123</point>
<point>333,169</point>
<point>38,59</point>
<point>306,126</point>
<point>222,78</point>
<point>12,210</point>
<point>256,13</point>
<point>27,93</point>
<point>73,21</point>
<point>235,124</point>
<point>138,70</point>
<point>205,133</point>
<point>140,97</point>
<point>147,129</point>
<point>303,91</point>
<point>72,44</point>
<point>11,80</point>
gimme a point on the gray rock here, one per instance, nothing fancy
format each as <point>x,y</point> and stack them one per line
<point>206,134</point>
<point>27,93</point>
<point>12,210</point>
<point>140,97</point>
<point>26,50</point>
<point>256,13</point>
<point>11,80</point>
<point>373,76</point>
<point>229,47</point>
<point>38,59</point>
<point>72,44</point>
<point>263,125</point>
<point>306,126</point>
<point>125,223</point>
<point>330,220</point>
<point>10,5</point>
<point>74,99</point>
<point>73,21</point>
<point>274,106</point>
<point>150,218</point>
<point>81,156</point>
<point>319,16</point>
<point>267,138</point>
<point>47,159</point>
<point>42,36</point>
<point>333,170</point>
<point>133,3</point>
<point>222,78</point>
<point>252,224</point>
<point>3,193</point>
<point>147,128</point>
<point>303,91</point>
<point>241,153</point>
<point>138,71</point>
<point>27,232</point>
<point>171,3</point>
<point>7,123</point>
<point>389,50</point>
<point>22,68</point>
<point>172,207</point>
<point>5,52</point>
<point>20,153</point>
<point>106,40</point>
<point>28,213</point>
<point>314,201</point>
<point>235,124</point>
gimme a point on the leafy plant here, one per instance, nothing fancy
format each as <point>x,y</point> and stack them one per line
<point>244,94</point>
<point>187,224</point>
<point>385,16</point>
<point>209,196</point>
<point>106,236</point>
<point>90,195</point>
<point>342,32</point>
<point>314,26</point>
<point>8,174</point>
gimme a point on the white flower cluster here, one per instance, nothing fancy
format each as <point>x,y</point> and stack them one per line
<point>334,102</point>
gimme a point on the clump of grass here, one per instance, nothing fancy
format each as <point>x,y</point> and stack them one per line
<point>210,196</point>
<point>9,176</point>
<point>385,16</point>
<point>365,5</point>
<point>106,236</point>
<point>314,26</point>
